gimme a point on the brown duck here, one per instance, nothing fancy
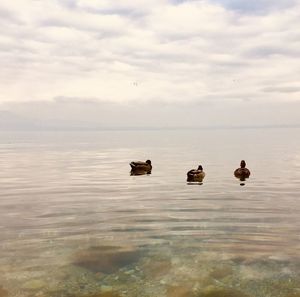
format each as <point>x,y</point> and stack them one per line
<point>242,173</point>
<point>140,167</point>
<point>196,175</point>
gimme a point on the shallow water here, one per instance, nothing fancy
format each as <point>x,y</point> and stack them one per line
<point>74,222</point>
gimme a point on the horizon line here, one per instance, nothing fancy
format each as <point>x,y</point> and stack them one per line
<point>134,128</point>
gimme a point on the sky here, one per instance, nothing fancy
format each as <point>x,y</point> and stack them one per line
<point>95,64</point>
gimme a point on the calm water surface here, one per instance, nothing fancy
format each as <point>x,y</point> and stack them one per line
<point>73,222</point>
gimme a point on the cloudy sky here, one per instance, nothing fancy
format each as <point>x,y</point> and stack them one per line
<point>158,63</point>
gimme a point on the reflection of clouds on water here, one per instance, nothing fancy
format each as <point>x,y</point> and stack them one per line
<point>296,161</point>
<point>195,183</point>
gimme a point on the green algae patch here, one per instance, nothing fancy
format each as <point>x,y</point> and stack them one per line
<point>105,259</point>
<point>221,292</point>
<point>296,294</point>
<point>34,284</point>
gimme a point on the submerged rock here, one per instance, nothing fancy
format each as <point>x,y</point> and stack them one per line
<point>105,259</point>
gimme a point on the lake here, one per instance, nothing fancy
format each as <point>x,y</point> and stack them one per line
<point>74,222</point>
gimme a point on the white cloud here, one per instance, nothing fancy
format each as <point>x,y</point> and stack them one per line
<point>122,51</point>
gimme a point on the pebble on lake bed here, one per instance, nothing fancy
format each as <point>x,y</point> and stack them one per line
<point>221,272</point>
<point>179,291</point>
<point>106,289</point>
<point>156,268</point>
<point>212,291</point>
<point>105,294</point>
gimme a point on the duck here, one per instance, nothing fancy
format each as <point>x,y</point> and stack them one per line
<point>196,175</point>
<point>242,173</point>
<point>140,167</point>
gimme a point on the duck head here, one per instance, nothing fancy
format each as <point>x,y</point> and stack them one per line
<point>148,162</point>
<point>243,164</point>
<point>200,167</point>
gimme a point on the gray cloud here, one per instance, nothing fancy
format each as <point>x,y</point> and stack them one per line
<point>92,28</point>
<point>282,89</point>
<point>132,12</point>
<point>262,6</point>
<point>70,4</point>
<point>9,16</point>
<point>267,51</point>
<point>127,13</point>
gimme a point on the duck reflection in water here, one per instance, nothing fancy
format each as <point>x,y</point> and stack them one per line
<point>242,173</point>
<point>196,175</point>
<point>140,167</point>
